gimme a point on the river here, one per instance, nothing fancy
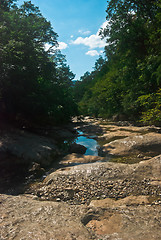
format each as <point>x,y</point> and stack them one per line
<point>90,143</point>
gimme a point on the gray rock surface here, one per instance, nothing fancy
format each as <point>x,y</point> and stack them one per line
<point>100,200</point>
<point>128,218</point>
<point>80,184</point>
<point>27,146</point>
<point>134,216</point>
<point>149,143</point>
<point>23,218</point>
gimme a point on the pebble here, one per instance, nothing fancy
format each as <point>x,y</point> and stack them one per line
<point>58,199</point>
<point>82,189</point>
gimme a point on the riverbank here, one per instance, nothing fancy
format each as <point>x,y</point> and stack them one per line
<point>26,154</point>
<point>98,198</point>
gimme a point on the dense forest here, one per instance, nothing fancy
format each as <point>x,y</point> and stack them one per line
<point>35,81</point>
<point>127,82</point>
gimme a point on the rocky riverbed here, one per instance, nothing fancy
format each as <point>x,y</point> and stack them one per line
<point>113,196</point>
<point>83,183</point>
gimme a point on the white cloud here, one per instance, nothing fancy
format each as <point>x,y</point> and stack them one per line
<point>104,25</point>
<point>92,53</point>
<point>71,36</point>
<point>93,41</point>
<point>62,45</point>
<point>47,46</point>
<point>84,32</point>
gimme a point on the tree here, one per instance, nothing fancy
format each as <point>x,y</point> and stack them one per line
<point>131,24</point>
<point>33,83</point>
<point>132,69</point>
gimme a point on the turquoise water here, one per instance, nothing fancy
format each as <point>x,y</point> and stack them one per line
<point>91,144</point>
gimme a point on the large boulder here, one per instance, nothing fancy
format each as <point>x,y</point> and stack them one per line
<point>77,148</point>
<point>28,147</point>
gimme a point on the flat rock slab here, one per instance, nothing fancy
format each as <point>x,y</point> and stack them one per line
<point>101,201</point>
<point>27,146</point>
<point>131,217</point>
<point>150,169</point>
<point>149,143</point>
<point>80,158</point>
<point>23,218</point>
<point>111,136</point>
<point>128,218</point>
<point>130,129</point>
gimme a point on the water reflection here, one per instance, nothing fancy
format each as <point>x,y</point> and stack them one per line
<point>90,144</point>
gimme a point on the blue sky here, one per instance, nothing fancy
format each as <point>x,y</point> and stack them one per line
<point>77,23</point>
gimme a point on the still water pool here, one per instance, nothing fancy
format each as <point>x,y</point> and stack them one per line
<point>91,144</point>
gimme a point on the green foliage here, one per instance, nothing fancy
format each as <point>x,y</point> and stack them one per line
<point>35,83</point>
<point>131,73</point>
<point>151,104</point>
